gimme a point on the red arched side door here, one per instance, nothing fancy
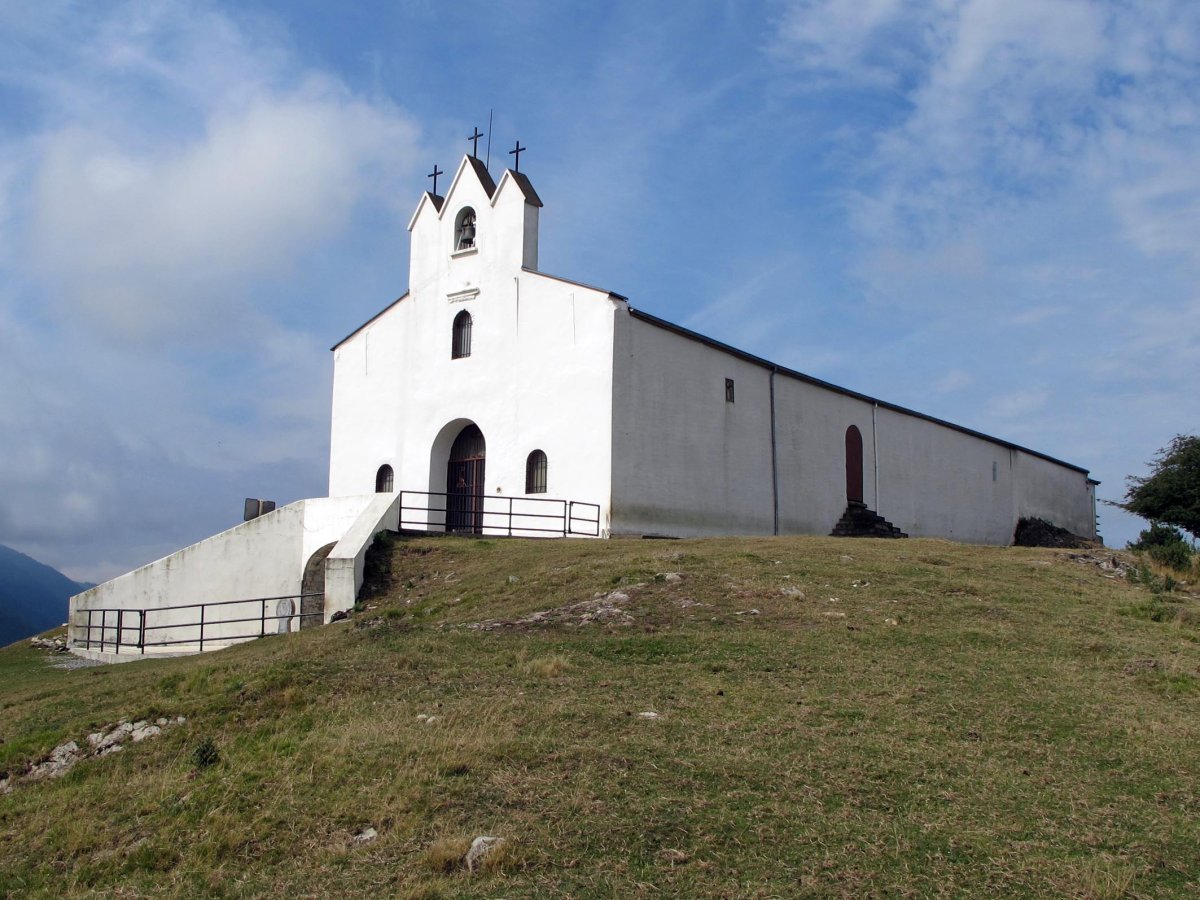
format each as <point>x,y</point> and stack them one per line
<point>854,465</point>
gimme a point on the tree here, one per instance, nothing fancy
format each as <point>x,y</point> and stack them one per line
<point>1171,492</point>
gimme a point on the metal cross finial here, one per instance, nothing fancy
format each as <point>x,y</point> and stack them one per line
<point>516,152</point>
<point>474,139</point>
<point>434,175</point>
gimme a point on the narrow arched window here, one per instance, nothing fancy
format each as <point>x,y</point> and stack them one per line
<point>535,473</point>
<point>461,345</point>
<point>383,480</point>
<point>464,229</point>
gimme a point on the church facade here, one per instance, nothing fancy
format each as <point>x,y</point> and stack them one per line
<point>491,381</point>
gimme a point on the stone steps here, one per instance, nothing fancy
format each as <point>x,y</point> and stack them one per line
<point>859,521</point>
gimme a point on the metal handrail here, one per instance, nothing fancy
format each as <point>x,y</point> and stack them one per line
<point>120,628</point>
<point>506,520</point>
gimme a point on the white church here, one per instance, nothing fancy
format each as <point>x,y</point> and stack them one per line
<point>495,398</point>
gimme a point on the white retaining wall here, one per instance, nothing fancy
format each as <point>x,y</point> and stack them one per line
<point>264,557</point>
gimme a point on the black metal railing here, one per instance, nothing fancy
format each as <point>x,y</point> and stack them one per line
<point>509,516</point>
<point>135,629</point>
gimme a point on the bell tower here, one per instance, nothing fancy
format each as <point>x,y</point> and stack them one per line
<point>477,226</point>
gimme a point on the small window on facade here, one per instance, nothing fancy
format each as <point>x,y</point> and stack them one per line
<point>535,473</point>
<point>728,390</point>
<point>383,480</point>
<point>461,345</point>
<point>464,229</point>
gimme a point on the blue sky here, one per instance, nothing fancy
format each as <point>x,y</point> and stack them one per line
<point>987,210</point>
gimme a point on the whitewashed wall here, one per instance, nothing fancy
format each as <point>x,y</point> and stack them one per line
<point>539,374</point>
<point>264,557</point>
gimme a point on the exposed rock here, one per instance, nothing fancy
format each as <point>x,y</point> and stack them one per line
<point>340,616</point>
<point>364,837</point>
<point>99,743</point>
<point>670,577</point>
<point>792,592</point>
<point>1113,566</point>
<point>890,622</point>
<point>649,715</point>
<point>481,848</point>
<point>146,731</point>
<point>603,608</point>
<point>747,612</point>
<point>50,645</point>
<point>60,761</point>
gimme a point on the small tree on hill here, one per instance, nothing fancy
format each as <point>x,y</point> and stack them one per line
<point>1171,492</point>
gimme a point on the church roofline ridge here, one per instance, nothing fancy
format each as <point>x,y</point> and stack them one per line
<point>809,379</point>
<point>523,183</point>
<point>582,284</point>
<point>481,173</point>
<point>437,201</point>
<point>369,321</point>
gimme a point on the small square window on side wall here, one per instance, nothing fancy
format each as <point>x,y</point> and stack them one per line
<point>728,390</point>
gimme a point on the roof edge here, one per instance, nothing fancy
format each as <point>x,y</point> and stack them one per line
<point>582,284</point>
<point>523,184</point>
<point>809,379</point>
<point>369,321</point>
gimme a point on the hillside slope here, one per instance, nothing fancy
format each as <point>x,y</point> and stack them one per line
<point>33,596</point>
<point>831,717</point>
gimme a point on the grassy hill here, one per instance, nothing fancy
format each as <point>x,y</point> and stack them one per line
<point>833,717</point>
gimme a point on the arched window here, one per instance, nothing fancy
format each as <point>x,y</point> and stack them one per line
<point>383,480</point>
<point>461,345</point>
<point>464,229</point>
<point>535,473</point>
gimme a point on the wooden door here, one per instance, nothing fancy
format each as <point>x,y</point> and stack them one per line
<point>854,465</point>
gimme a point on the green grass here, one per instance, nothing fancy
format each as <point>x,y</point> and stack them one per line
<point>1026,726</point>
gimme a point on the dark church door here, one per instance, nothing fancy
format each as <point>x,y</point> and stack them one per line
<point>464,482</point>
<point>854,465</point>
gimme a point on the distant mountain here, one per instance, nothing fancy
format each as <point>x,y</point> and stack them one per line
<point>33,596</point>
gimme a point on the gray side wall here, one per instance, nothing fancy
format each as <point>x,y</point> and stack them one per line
<point>686,462</point>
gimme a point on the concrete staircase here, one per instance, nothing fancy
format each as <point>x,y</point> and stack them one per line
<point>859,521</point>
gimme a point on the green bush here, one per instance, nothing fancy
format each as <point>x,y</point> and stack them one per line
<point>1165,545</point>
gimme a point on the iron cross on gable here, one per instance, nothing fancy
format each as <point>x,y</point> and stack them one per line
<point>515,153</point>
<point>434,175</point>
<point>474,139</point>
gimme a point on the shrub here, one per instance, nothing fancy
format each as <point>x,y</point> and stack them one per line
<point>1166,545</point>
<point>205,754</point>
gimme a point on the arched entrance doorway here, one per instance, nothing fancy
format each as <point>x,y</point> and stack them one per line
<point>854,465</point>
<point>464,482</point>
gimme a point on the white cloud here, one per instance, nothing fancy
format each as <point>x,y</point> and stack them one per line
<point>153,243</point>
<point>832,40</point>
